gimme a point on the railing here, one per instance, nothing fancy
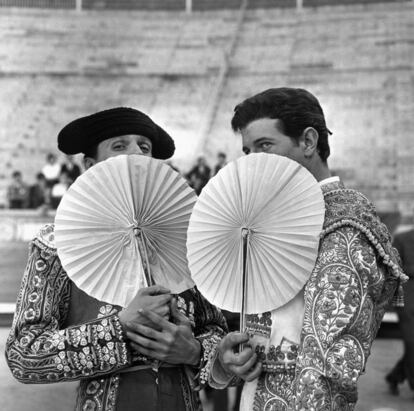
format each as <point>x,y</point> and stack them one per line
<point>179,5</point>
<point>42,4</point>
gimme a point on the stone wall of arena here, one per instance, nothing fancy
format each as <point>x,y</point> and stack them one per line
<point>59,64</point>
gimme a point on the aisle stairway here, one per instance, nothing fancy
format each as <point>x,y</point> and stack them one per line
<point>55,66</point>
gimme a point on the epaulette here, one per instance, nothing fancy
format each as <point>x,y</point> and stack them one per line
<point>346,207</point>
<point>45,238</point>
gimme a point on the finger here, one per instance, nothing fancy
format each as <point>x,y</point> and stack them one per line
<point>145,331</point>
<point>162,299</point>
<point>239,359</point>
<point>179,317</point>
<point>244,368</point>
<point>156,319</point>
<point>254,373</point>
<point>131,325</point>
<point>163,311</point>
<point>147,352</point>
<point>143,341</point>
<point>156,290</point>
<point>233,339</point>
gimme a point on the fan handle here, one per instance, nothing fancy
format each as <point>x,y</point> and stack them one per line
<point>145,261</point>
<point>246,237</point>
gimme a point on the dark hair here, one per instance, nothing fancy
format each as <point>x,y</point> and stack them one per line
<point>295,108</point>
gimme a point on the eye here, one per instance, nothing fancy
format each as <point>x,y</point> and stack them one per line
<point>119,146</point>
<point>265,146</point>
<point>145,148</point>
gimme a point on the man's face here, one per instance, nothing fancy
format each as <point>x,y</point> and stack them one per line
<point>128,144</point>
<point>262,136</point>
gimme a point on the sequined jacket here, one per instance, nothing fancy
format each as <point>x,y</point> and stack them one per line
<point>49,342</point>
<point>355,278</point>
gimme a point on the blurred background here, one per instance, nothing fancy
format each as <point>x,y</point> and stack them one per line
<point>187,63</point>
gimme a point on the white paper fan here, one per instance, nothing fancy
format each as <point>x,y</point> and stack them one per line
<point>280,204</point>
<point>98,220</point>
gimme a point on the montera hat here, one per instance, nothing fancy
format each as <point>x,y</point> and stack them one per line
<point>82,134</point>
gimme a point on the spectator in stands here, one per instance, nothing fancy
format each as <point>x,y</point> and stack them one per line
<point>70,167</point>
<point>17,192</point>
<point>150,355</point>
<point>51,170</point>
<point>38,192</point>
<point>404,369</point>
<point>309,354</point>
<point>59,189</point>
<point>199,175</point>
<point>221,162</point>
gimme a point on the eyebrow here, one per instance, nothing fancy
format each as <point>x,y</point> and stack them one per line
<point>144,140</point>
<point>115,139</point>
<point>261,139</point>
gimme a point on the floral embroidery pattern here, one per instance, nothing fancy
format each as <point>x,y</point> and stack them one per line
<point>274,387</point>
<point>40,349</point>
<point>259,324</point>
<point>353,281</point>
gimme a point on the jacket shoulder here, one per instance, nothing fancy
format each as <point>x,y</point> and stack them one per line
<point>45,238</point>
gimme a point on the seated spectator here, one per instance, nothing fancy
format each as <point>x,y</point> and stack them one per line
<point>51,170</point>
<point>59,189</point>
<point>38,192</point>
<point>221,162</point>
<point>17,192</point>
<point>71,168</point>
<point>199,175</point>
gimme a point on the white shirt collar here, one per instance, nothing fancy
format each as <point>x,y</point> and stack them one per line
<point>334,179</point>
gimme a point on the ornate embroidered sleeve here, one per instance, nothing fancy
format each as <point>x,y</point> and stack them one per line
<point>38,350</point>
<point>210,327</point>
<point>345,300</point>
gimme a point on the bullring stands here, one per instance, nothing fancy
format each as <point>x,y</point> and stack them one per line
<point>58,64</point>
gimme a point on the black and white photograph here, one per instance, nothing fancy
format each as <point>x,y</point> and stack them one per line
<point>207,205</point>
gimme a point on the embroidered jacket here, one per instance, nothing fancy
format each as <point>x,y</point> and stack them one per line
<point>61,334</point>
<point>354,279</point>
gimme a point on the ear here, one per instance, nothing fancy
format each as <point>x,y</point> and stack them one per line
<point>88,162</point>
<point>309,140</point>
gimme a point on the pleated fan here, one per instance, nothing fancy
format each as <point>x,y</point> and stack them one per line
<point>254,233</point>
<point>122,225</point>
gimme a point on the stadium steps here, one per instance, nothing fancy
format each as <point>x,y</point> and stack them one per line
<point>179,5</point>
<point>55,69</point>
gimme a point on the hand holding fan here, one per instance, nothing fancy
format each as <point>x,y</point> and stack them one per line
<point>254,233</point>
<point>122,225</point>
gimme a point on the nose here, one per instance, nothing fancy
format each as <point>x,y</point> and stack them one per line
<point>252,150</point>
<point>134,149</point>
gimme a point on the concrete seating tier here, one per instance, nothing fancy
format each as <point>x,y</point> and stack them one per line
<point>56,65</point>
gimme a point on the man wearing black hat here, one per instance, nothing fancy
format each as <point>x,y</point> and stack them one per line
<point>59,333</point>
